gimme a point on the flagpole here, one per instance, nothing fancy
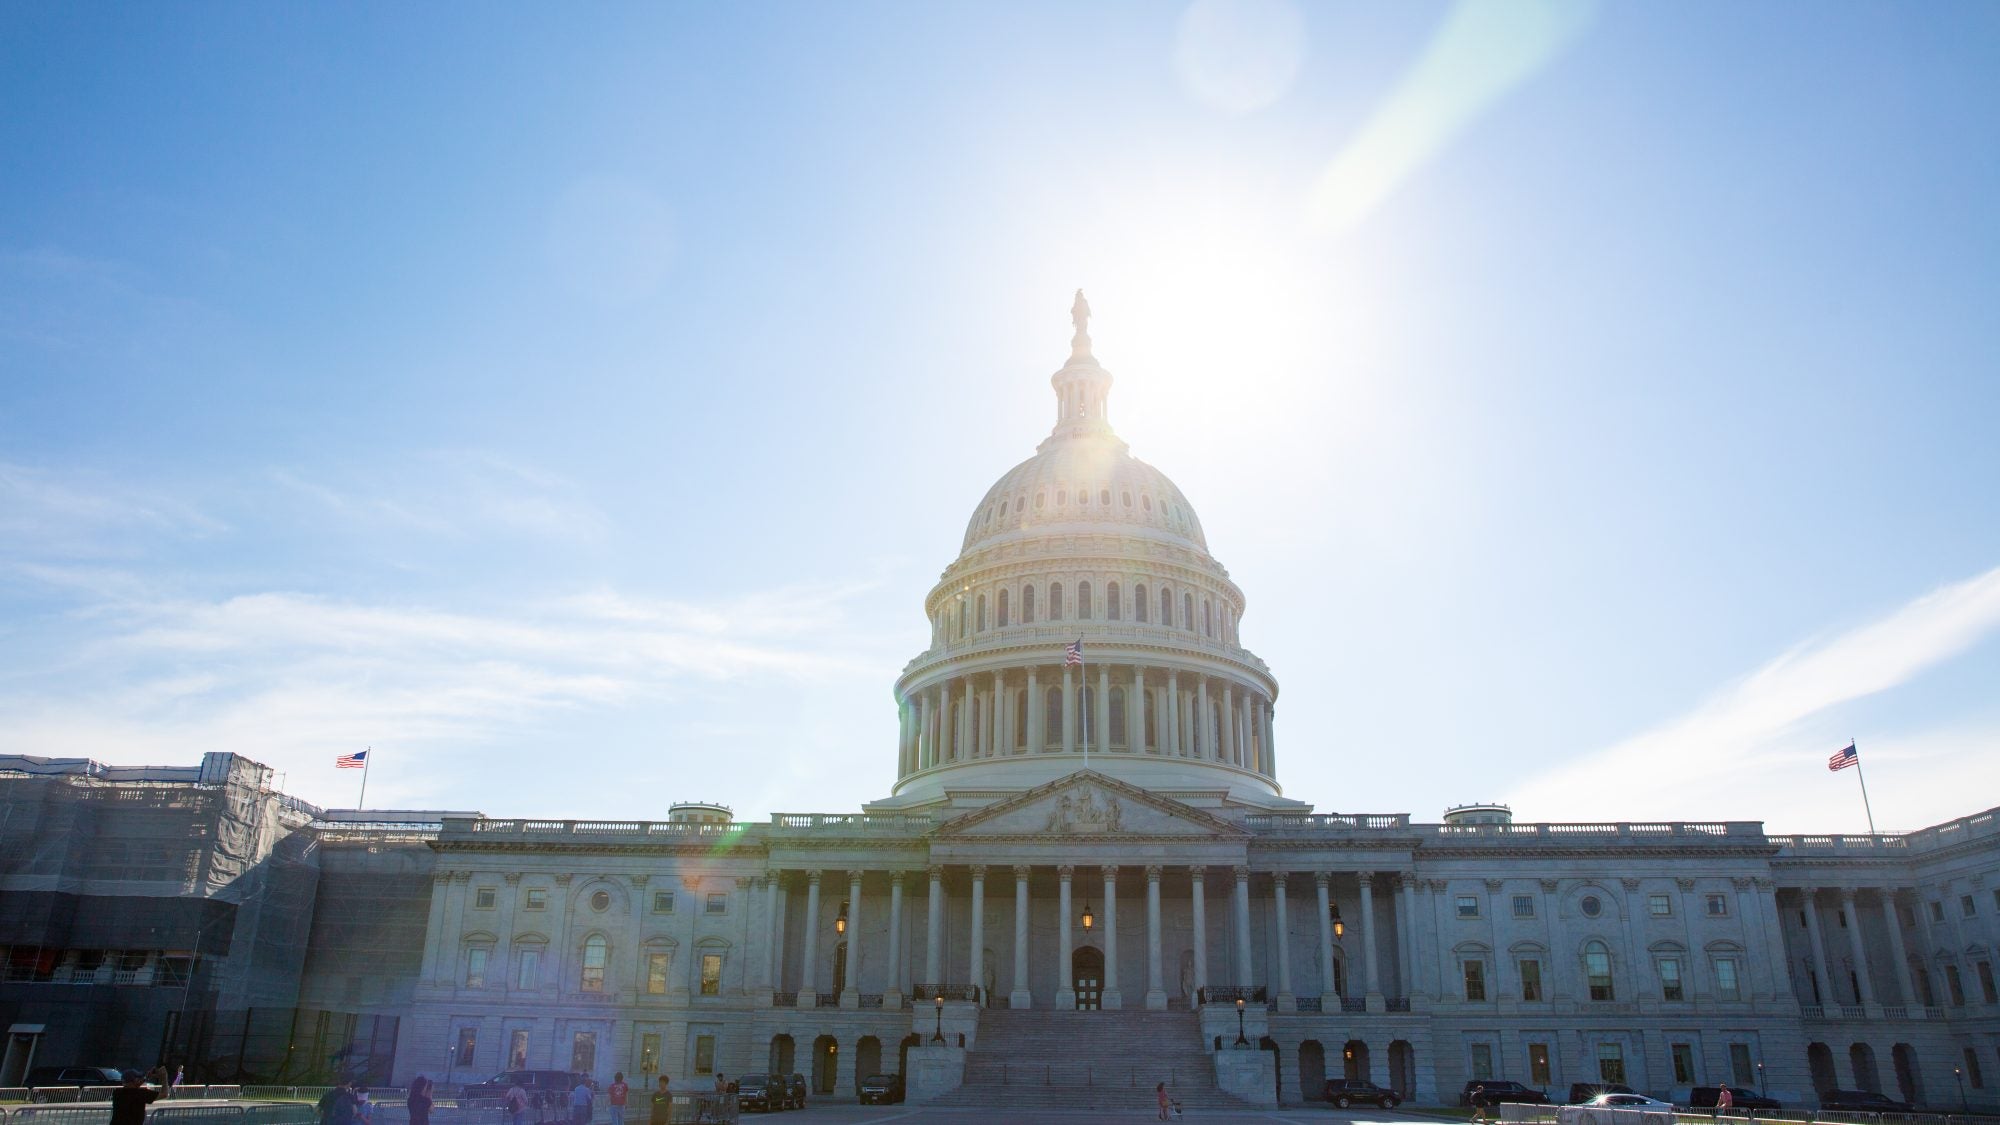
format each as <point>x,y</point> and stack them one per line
<point>1864,787</point>
<point>367,759</point>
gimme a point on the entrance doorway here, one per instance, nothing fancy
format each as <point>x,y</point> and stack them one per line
<point>1086,971</point>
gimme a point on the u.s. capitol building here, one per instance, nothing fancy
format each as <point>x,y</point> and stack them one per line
<point>1087,877</point>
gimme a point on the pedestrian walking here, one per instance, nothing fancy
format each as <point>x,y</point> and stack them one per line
<point>616,1096</point>
<point>1724,1100</point>
<point>517,1104</point>
<point>336,1106</point>
<point>1160,1092</point>
<point>580,1104</point>
<point>180,1073</point>
<point>1478,1099</point>
<point>662,1111</point>
<point>129,1101</point>
<point>420,1100</point>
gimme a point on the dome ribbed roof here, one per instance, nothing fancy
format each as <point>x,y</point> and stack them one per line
<point>1090,483</point>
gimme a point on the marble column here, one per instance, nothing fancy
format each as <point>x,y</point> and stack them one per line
<point>503,950</point>
<point>1898,950</point>
<point>1198,915</point>
<point>892,989</point>
<point>1170,735</point>
<point>1286,1001</point>
<point>1021,996</point>
<point>923,730</point>
<point>1371,982</point>
<point>1270,741</point>
<point>850,989</point>
<point>1328,1000</point>
<point>1244,979</point>
<point>978,928</point>
<point>774,942</point>
<point>1065,985</point>
<point>1135,711</point>
<point>1860,954</point>
<point>1156,993</point>
<point>809,973</point>
<point>779,911</point>
<point>1069,711</point>
<point>1112,997</point>
<point>934,930</point>
<point>1822,968</point>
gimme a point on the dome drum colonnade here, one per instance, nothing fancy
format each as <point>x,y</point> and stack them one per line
<point>1083,542</point>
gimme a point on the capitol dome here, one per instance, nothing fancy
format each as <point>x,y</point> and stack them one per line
<point>1085,544</point>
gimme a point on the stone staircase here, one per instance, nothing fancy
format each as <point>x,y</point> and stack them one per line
<point>1040,1059</point>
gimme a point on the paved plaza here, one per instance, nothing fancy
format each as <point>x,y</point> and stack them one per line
<point>1141,1110</point>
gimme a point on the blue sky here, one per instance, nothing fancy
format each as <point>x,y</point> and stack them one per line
<point>1597,403</point>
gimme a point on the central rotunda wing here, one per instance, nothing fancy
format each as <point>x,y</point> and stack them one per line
<point>1087,804</point>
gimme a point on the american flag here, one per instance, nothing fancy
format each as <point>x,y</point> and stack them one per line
<point>1073,653</point>
<point>351,761</point>
<point>1843,758</point>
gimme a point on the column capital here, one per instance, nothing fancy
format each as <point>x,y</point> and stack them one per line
<point>1684,885</point>
<point>1406,878</point>
<point>935,871</point>
<point>813,877</point>
<point>512,877</point>
<point>1744,884</point>
<point>466,877</point>
<point>1278,881</point>
<point>1322,878</point>
<point>978,871</point>
<point>854,874</point>
<point>1631,885</point>
<point>896,880</point>
<point>1197,874</point>
<point>1109,871</point>
<point>1065,871</point>
<point>1242,874</point>
<point>1022,871</point>
<point>1152,873</point>
<point>1365,878</point>
<point>1846,896</point>
<point>1551,886</point>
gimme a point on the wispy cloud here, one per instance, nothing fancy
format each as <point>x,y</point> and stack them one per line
<point>1740,752</point>
<point>450,493</point>
<point>48,513</point>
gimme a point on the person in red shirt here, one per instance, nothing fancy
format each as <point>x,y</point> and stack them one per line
<point>1724,1100</point>
<point>616,1095</point>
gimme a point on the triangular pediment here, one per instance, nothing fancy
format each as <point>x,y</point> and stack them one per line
<point>1087,804</point>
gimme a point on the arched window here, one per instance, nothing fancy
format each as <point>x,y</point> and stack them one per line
<point>1207,618</point>
<point>1021,719</point>
<point>1055,601</point>
<point>1027,605</point>
<point>1151,716</point>
<point>961,618</point>
<point>980,623</point>
<point>1118,716</point>
<point>1052,716</point>
<point>595,952</point>
<point>1104,497</point>
<point>1597,970</point>
<point>1001,610</point>
<point>1114,607</point>
<point>1083,601</point>
<point>1166,607</point>
<point>952,728</point>
<point>1139,603</point>
<point>1187,612</point>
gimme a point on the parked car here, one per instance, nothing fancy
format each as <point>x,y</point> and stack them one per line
<point>1344,1092</point>
<point>881,1089</point>
<point>1581,1092</point>
<point>1493,1091</point>
<point>75,1076</point>
<point>795,1084</point>
<point>1704,1097</point>
<point>1630,1101</point>
<point>1867,1101</point>
<point>761,1092</point>
<point>544,1087</point>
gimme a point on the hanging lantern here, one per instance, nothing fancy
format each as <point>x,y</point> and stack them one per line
<point>1089,919</point>
<point>1339,927</point>
<point>840,922</point>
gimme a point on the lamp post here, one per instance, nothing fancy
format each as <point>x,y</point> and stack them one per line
<point>1760,1080</point>
<point>1958,1074</point>
<point>938,1035</point>
<point>1241,1039</point>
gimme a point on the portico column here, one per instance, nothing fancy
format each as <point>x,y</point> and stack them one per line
<point>1156,993</point>
<point>1170,735</point>
<point>1285,999</point>
<point>1860,955</point>
<point>1034,732</point>
<point>923,729</point>
<point>1321,895</point>
<point>1229,749</point>
<point>1204,735</point>
<point>1135,712</point>
<point>1069,711</point>
<point>782,908</point>
<point>967,747</point>
<point>893,989</point>
<point>978,927</point>
<point>1112,997</point>
<point>850,989</point>
<point>1198,912</point>
<point>1065,984</point>
<point>1825,993</point>
<point>934,929</point>
<point>772,955</point>
<point>1896,948</point>
<point>1021,996</point>
<point>1270,742</point>
<point>1102,719</point>
<point>1369,961</point>
<point>1243,977</point>
<point>809,974</point>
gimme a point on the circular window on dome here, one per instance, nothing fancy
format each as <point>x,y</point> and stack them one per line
<point>601,901</point>
<point>1104,497</point>
<point>1083,496</point>
<point>1020,503</point>
<point>1128,499</point>
<point>1592,906</point>
<point>1039,498</point>
<point>1062,496</point>
<point>1146,502</point>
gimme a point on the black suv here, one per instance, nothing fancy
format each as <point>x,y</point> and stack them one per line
<point>60,1077</point>
<point>543,1087</point>
<point>881,1089</point>
<point>1866,1100</point>
<point>795,1085</point>
<point>761,1092</point>
<point>1493,1091</point>
<point>1581,1092</point>
<point>1704,1097</point>
<point>1344,1092</point>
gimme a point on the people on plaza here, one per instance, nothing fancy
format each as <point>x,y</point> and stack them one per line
<point>721,1082</point>
<point>1478,1099</point>
<point>180,1073</point>
<point>420,1100</point>
<point>662,1110</point>
<point>158,1078</point>
<point>129,1101</point>
<point>336,1106</point>
<point>516,1102</point>
<point>615,1094</point>
<point>1724,1099</point>
<point>580,1104</point>
<point>1160,1091</point>
<point>364,1109</point>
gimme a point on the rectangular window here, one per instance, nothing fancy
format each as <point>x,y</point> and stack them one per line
<point>484,898</point>
<point>663,902</point>
<point>1972,1075</point>
<point>1718,906</point>
<point>475,967</point>
<point>1611,1062</point>
<point>704,1054</point>
<point>531,969</point>
<point>1741,1066</point>
<point>535,898</point>
<point>1953,986</point>
<point>1482,1060</point>
<point>517,1049</point>
<point>1524,906</point>
<point>1727,985</point>
<point>649,1053</point>
<point>1966,906</point>
<point>657,966</point>
<point>1475,980</point>
<point>583,1052</point>
<point>718,903</point>
<point>1531,980</point>
<point>1937,911</point>
<point>1683,1063</point>
<point>1659,906</point>
<point>711,974</point>
<point>1468,906</point>
<point>1985,970</point>
<point>468,1045</point>
<point>1597,967</point>
<point>1923,979</point>
<point>1670,980</point>
<point>1538,1063</point>
<point>1908,916</point>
